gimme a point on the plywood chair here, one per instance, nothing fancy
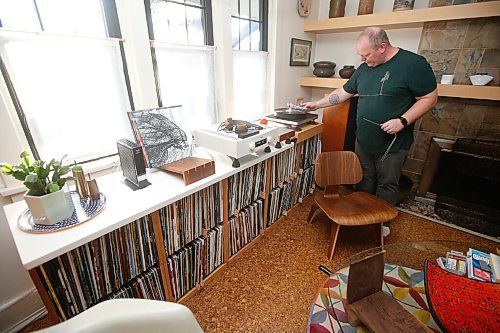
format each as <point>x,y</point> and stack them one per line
<point>336,168</point>
<point>130,315</point>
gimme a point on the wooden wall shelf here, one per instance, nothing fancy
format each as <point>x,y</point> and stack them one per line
<point>403,19</point>
<point>445,90</point>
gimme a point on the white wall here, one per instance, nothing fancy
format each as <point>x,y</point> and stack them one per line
<point>290,25</point>
<point>19,300</point>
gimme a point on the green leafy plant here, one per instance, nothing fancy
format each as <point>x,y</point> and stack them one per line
<point>38,176</point>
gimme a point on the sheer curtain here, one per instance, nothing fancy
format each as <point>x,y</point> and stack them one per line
<point>249,85</point>
<point>72,91</point>
<point>186,77</point>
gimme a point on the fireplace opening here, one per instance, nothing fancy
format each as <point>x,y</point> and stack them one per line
<point>463,178</point>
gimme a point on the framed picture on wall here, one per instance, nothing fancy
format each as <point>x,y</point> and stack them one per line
<point>300,52</point>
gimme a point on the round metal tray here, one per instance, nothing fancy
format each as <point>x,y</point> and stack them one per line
<point>85,209</point>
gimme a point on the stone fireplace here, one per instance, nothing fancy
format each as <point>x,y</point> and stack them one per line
<point>462,179</point>
<point>462,48</point>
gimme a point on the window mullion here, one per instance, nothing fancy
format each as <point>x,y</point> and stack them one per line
<point>35,5</point>
<point>19,110</point>
<point>264,24</point>
<point>111,18</point>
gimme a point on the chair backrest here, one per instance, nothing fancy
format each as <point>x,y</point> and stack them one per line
<point>131,315</point>
<point>337,168</point>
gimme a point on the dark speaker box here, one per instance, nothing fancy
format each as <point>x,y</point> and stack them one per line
<point>133,165</point>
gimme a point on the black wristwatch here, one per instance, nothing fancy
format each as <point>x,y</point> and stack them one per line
<point>403,121</point>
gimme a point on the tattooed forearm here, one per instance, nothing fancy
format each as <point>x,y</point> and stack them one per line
<point>334,99</point>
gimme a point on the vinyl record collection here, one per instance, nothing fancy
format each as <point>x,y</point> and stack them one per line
<point>304,184</point>
<point>81,277</point>
<point>246,187</point>
<point>125,262</point>
<point>190,265</point>
<point>184,220</point>
<point>280,194</point>
<point>245,226</point>
<point>280,201</point>
<point>310,149</point>
<point>283,167</point>
<point>305,179</point>
<point>147,285</point>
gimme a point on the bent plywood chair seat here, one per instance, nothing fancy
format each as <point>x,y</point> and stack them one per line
<point>336,168</point>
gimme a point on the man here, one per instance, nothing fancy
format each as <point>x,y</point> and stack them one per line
<point>396,87</point>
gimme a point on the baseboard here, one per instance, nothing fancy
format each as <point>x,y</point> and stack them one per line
<point>40,313</point>
<point>21,312</point>
<point>450,225</point>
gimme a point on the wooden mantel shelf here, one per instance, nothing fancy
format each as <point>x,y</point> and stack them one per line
<point>446,90</point>
<point>403,19</point>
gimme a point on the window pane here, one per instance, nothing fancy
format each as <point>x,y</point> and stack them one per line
<point>254,10</point>
<point>195,28</point>
<point>73,93</point>
<point>19,15</point>
<point>235,33</point>
<point>234,8</point>
<point>186,76</point>
<point>194,2</point>
<point>244,35</point>
<point>169,22</point>
<point>255,36</point>
<point>74,17</point>
<point>249,85</point>
<point>245,8</point>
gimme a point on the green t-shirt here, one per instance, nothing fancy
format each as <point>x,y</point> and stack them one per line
<point>387,91</point>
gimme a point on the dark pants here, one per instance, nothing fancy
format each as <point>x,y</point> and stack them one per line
<point>381,178</point>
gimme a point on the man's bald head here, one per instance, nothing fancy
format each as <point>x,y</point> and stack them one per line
<point>375,36</point>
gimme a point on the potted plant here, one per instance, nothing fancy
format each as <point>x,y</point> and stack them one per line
<point>46,199</point>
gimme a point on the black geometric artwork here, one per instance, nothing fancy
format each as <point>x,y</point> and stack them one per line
<point>161,138</point>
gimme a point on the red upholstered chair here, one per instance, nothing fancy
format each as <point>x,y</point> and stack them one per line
<point>336,168</point>
<point>460,304</point>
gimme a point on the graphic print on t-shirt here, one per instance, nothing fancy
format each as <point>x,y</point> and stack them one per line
<point>385,78</point>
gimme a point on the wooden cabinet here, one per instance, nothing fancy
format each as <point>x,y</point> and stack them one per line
<point>167,240</point>
<point>408,19</point>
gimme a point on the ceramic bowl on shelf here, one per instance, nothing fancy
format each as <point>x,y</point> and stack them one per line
<point>324,68</point>
<point>480,79</point>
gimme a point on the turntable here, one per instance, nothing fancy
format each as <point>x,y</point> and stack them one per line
<point>293,115</point>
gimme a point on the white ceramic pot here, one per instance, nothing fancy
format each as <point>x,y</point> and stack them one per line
<point>50,208</point>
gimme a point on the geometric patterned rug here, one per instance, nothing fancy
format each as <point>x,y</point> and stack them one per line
<point>328,313</point>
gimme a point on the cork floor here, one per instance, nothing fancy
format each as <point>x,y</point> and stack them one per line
<point>270,286</point>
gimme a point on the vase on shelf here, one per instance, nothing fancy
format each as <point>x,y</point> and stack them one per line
<point>347,71</point>
<point>337,8</point>
<point>365,7</point>
<point>324,68</point>
<point>403,5</point>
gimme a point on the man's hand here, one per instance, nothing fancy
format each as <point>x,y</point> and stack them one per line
<point>310,106</point>
<point>392,126</point>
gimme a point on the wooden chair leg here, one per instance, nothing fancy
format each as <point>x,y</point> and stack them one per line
<point>334,233</point>
<point>313,210</point>
<point>381,234</point>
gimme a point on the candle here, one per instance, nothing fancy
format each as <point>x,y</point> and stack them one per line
<point>80,182</point>
<point>93,189</point>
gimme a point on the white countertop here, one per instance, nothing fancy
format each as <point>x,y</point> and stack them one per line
<point>123,206</point>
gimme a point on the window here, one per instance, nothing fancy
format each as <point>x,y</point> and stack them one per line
<point>65,75</point>
<point>182,45</point>
<point>186,22</point>
<point>249,25</point>
<point>249,41</point>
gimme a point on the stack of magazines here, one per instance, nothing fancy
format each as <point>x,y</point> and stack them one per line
<point>474,264</point>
